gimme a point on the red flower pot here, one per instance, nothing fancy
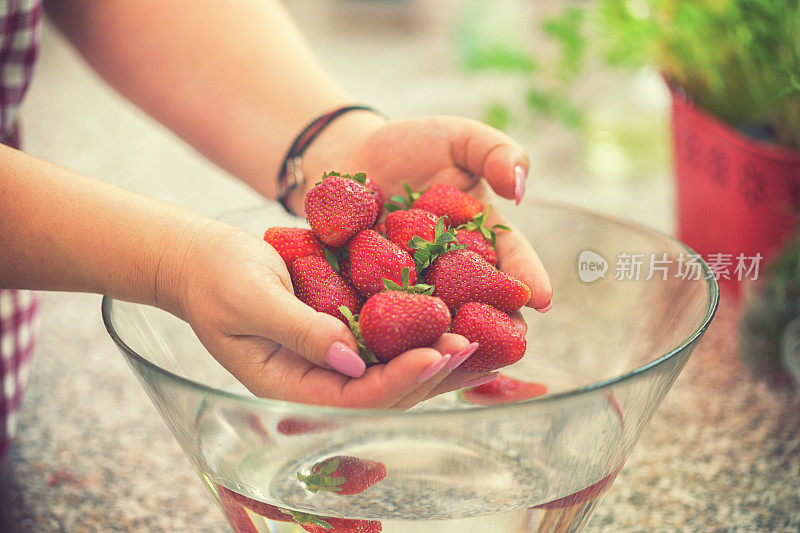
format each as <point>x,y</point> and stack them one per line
<point>737,196</point>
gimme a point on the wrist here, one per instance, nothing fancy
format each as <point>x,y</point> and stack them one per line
<point>180,259</point>
<point>335,148</point>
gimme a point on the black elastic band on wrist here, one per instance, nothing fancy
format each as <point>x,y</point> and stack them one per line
<point>290,175</point>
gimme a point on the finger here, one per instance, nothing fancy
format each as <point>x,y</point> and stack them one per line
<point>453,346</point>
<point>517,257</point>
<point>519,322</point>
<point>455,381</point>
<point>322,339</point>
<point>385,385</point>
<point>481,150</point>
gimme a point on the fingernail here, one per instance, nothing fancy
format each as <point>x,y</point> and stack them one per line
<point>463,355</point>
<point>479,381</point>
<point>433,369</point>
<point>546,308</point>
<point>519,183</point>
<point>343,359</point>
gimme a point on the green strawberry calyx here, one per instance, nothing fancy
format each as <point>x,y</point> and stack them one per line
<point>334,258</point>
<point>352,320</point>
<point>427,252</point>
<point>323,479</point>
<point>478,223</point>
<point>308,518</point>
<point>405,273</point>
<point>360,177</point>
<point>398,202</point>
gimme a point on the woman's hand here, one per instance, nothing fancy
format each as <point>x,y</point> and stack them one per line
<point>235,291</point>
<point>465,153</point>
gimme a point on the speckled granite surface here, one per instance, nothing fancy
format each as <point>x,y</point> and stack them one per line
<point>722,452</point>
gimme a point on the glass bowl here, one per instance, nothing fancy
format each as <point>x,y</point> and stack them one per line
<point>607,353</point>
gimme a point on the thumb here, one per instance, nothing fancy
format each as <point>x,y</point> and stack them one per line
<point>481,150</point>
<point>318,337</point>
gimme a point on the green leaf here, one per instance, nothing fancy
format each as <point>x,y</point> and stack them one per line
<point>329,467</point>
<point>332,258</point>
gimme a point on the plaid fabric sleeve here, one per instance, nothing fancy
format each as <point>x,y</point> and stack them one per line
<point>19,46</point>
<point>19,324</point>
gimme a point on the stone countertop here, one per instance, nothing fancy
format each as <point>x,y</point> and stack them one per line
<point>722,452</point>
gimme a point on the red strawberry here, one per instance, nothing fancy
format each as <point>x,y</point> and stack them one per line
<point>374,258</point>
<point>473,240</point>
<point>339,207</point>
<point>318,285</point>
<point>502,389</point>
<point>402,225</point>
<point>300,426</point>
<point>501,343</point>
<point>380,227</point>
<point>235,500</point>
<point>462,276</point>
<point>368,182</point>
<point>371,185</point>
<point>393,322</point>
<point>445,200</point>
<point>293,243</point>
<point>344,525</point>
<point>343,475</point>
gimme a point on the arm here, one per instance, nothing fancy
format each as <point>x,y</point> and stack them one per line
<point>234,78</point>
<point>63,231</point>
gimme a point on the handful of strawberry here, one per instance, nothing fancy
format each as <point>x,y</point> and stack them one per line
<point>370,273</point>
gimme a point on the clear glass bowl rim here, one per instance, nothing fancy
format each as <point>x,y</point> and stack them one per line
<point>286,407</point>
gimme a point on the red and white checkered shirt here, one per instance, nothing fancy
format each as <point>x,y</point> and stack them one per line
<point>20,35</point>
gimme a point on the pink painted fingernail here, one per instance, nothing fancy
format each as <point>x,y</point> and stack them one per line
<point>433,369</point>
<point>343,359</point>
<point>463,355</point>
<point>519,183</point>
<point>546,308</point>
<point>480,381</point>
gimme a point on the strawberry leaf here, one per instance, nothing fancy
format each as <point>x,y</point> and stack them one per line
<point>352,320</point>
<point>419,288</point>
<point>427,252</point>
<point>478,223</point>
<point>332,258</point>
<point>399,202</point>
<point>329,466</point>
<point>308,518</point>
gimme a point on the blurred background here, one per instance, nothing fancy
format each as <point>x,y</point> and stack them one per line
<point>581,85</point>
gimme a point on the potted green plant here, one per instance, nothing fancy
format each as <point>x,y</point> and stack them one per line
<point>733,67</point>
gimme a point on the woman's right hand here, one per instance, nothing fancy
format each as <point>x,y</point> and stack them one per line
<point>236,293</point>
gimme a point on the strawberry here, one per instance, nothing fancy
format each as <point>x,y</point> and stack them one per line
<point>392,322</point>
<point>501,343</point>
<point>343,475</point>
<point>401,226</point>
<point>374,258</point>
<point>339,207</point>
<point>380,227</point>
<point>319,286</point>
<point>237,516</point>
<point>301,426</point>
<point>233,500</point>
<point>368,182</point>
<point>343,525</point>
<point>293,243</point>
<point>479,238</point>
<point>462,276</point>
<point>473,240</point>
<point>502,389</point>
<point>445,200</point>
